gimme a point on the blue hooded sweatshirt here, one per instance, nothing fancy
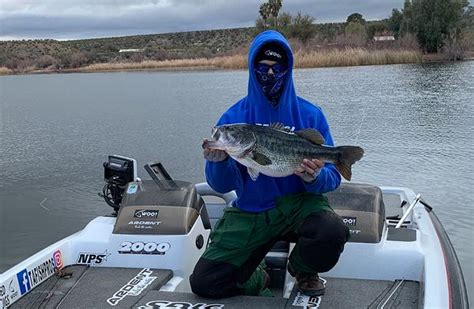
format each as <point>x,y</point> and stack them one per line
<point>293,112</point>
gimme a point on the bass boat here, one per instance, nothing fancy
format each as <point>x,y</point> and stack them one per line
<point>141,256</point>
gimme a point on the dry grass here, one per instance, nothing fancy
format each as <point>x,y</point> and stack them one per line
<point>227,62</point>
<point>311,59</point>
<point>5,71</point>
<point>354,56</point>
<point>303,59</point>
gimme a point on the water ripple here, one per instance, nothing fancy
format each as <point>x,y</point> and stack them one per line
<point>416,123</point>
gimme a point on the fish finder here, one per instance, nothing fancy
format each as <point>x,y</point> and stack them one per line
<point>118,172</point>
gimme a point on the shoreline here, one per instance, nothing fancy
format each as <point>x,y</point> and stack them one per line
<point>303,60</point>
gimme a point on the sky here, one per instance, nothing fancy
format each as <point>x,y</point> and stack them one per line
<point>76,19</point>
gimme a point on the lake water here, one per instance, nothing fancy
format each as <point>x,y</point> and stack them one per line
<point>416,123</point>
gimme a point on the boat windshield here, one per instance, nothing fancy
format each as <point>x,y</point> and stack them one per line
<point>161,193</point>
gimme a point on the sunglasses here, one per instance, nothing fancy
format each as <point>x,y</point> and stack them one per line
<point>276,68</point>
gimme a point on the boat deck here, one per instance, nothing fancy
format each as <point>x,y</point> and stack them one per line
<point>100,287</point>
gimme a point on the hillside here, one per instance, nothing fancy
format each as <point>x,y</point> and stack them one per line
<point>20,55</point>
<point>329,45</point>
<point>27,55</point>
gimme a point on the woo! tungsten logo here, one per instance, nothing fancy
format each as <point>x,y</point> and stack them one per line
<point>146,214</point>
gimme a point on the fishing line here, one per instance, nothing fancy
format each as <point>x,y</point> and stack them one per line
<point>41,204</point>
<point>364,115</point>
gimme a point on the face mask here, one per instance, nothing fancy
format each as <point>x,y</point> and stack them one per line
<point>272,84</point>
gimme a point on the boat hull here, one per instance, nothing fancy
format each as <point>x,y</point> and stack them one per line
<point>414,265</point>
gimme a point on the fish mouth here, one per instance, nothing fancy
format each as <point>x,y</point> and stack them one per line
<point>213,144</point>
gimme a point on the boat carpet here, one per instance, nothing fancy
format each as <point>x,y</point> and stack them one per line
<point>100,287</point>
<point>356,293</point>
<point>340,293</point>
<point>94,287</point>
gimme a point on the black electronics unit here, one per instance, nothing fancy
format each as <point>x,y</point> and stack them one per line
<point>118,172</point>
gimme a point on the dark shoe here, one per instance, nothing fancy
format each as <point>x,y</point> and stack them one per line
<point>308,284</point>
<point>266,282</point>
<point>265,292</point>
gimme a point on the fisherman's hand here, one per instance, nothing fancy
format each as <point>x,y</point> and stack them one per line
<point>309,169</point>
<point>213,155</point>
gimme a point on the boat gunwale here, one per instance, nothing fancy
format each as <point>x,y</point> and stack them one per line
<point>457,290</point>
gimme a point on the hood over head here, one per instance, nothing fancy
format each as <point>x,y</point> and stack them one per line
<point>275,45</point>
<point>255,108</point>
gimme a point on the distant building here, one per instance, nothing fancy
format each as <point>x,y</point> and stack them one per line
<point>131,50</point>
<point>384,38</point>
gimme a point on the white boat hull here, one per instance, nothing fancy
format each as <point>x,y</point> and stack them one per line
<point>424,257</point>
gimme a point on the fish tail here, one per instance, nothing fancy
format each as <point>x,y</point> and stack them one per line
<point>349,156</point>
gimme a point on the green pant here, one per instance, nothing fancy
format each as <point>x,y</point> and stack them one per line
<point>239,237</point>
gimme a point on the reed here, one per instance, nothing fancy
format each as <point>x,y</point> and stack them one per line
<point>354,57</point>
<point>227,62</point>
<point>234,62</point>
<point>5,71</point>
<point>303,59</point>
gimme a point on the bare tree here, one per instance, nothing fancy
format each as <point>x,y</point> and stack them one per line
<point>45,61</point>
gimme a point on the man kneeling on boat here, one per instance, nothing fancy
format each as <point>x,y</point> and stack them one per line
<point>268,209</point>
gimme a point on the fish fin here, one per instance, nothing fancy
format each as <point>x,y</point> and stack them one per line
<point>349,156</point>
<point>261,158</point>
<point>311,135</point>
<point>344,170</point>
<point>278,126</point>
<point>253,173</point>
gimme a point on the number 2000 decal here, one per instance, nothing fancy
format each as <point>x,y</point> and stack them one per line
<point>139,247</point>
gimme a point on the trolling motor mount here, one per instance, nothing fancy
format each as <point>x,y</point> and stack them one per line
<point>118,172</point>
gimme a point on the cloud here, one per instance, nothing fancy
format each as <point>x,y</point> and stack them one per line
<point>69,19</point>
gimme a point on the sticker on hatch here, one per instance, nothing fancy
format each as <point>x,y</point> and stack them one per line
<point>132,188</point>
<point>146,214</point>
<point>351,221</point>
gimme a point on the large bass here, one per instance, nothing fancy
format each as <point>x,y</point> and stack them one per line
<point>277,152</point>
